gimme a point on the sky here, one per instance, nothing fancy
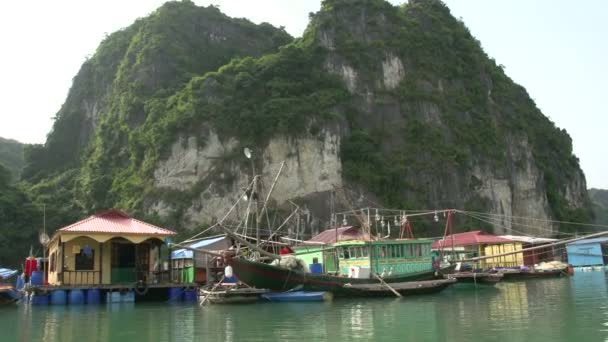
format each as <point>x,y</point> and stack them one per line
<point>556,49</point>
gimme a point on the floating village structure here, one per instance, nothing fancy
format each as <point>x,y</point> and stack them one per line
<point>190,266</point>
<point>107,248</point>
<point>463,246</point>
<point>588,253</point>
<point>315,252</point>
<point>536,256</point>
<point>109,256</point>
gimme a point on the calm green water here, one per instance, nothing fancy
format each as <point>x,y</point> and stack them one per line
<point>563,309</point>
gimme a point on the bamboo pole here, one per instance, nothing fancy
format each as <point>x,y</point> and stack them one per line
<point>276,178</point>
<point>248,244</point>
<point>196,250</point>
<point>387,285</point>
<point>210,292</point>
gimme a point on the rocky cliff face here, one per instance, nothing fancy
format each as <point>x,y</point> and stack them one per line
<point>398,105</point>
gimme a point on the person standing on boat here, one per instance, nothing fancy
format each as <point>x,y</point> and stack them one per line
<point>286,250</point>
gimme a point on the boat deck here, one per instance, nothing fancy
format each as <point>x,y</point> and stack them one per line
<point>404,288</point>
<point>476,277</point>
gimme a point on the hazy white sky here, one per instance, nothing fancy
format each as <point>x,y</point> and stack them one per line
<point>555,48</point>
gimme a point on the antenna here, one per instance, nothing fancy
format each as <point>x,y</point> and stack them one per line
<point>44,241</point>
<point>43,237</point>
<point>247,152</point>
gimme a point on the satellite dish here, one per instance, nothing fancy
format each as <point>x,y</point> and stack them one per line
<point>44,239</point>
<point>247,152</point>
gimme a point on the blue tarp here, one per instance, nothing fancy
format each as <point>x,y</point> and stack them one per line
<point>187,254</point>
<point>5,273</point>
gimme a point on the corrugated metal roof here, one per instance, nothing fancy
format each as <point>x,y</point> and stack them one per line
<point>6,273</point>
<point>344,233</point>
<point>115,221</point>
<point>470,238</point>
<point>527,239</point>
<point>188,254</point>
<point>588,241</point>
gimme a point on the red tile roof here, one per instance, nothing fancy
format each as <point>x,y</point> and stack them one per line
<point>115,221</point>
<point>344,233</point>
<point>470,238</point>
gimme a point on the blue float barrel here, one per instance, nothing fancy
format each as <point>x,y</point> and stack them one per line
<point>93,296</point>
<point>316,268</point>
<point>58,297</point>
<point>39,299</point>
<point>20,283</point>
<point>127,297</point>
<point>175,294</point>
<point>76,297</point>
<point>191,295</point>
<point>113,297</point>
<point>37,278</point>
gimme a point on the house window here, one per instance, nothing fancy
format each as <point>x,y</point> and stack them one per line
<point>85,260</point>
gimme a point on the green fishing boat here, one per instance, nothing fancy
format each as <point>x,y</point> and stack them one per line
<point>351,268</point>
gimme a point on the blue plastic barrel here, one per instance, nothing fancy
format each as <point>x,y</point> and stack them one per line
<point>127,297</point>
<point>231,280</point>
<point>20,282</point>
<point>76,297</point>
<point>191,295</point>
<point>175,294</point>
<point>316,268</point>
<point>37,277</point>
<point>39,299</point>
<point>93,296</point>
<point>113,297</point>
<point>59,297</point>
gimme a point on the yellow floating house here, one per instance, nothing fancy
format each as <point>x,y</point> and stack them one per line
<point>478,243</point>
<point>106,249</point>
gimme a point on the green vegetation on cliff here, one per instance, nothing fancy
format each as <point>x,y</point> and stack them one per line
<point>11,156</point>
<point>423,113</point>
<point>20,222</point>
<point>599,198</point>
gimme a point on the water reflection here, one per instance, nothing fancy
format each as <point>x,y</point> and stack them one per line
<point>511,306</point>
<point>564,309</point>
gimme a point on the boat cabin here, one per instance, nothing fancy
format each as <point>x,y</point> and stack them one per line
<point>107,248</point>
<point>360,259</point>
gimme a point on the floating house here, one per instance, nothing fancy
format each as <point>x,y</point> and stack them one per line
<point>108,248</point>
<point>536,256</point>
<point>315,251</point>
<point>468,245</point>
<point>589,252</point>
<point>189,266</point>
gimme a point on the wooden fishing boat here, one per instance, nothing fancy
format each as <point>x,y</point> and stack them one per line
<point>359,265</point>
<point>297,296</point>
<point>231,295</point>
<point>522,274</point>
<point>476,277</point>
<point>8,295</point>
<point>405,289</point>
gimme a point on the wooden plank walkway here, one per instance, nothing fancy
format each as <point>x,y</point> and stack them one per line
<point>110,287</point>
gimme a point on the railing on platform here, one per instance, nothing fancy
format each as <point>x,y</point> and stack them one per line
<point>81,277</point>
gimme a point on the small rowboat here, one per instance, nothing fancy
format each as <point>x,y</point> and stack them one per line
<point>476,277</point>
<point>231,295</point>
<point>298,296</point>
